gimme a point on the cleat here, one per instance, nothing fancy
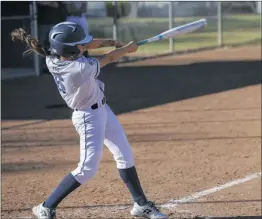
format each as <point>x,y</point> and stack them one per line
<point>147,211</point>
<point>42,212</point>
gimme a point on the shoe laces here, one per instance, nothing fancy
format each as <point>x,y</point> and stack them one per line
<point>152,205</point>
<point>51,213</point>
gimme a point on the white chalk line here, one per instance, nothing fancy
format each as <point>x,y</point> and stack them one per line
<point>174,203</point>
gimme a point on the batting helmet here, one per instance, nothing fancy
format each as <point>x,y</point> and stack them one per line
<point>64,38</point>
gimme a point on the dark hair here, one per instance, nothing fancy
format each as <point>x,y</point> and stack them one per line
<point>31,43</point>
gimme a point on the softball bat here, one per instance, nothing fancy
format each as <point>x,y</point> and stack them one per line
<point>180,30</point>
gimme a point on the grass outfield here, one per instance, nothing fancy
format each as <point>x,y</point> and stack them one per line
<point>109,21</point>
<point>236,29</point>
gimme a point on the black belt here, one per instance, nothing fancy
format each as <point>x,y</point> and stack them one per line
<point>95,106</point>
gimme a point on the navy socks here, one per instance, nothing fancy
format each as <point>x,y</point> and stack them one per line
<point>129,176</point>
<point>66,186</point>
<point>69,184</point>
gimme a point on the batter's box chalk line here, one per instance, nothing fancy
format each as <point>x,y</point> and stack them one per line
<point>173,203</point>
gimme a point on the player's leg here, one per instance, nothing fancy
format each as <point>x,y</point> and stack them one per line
<point>116,141</point>
<point>91,129</point>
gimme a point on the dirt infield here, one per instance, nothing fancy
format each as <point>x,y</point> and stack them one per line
<point>194,122</point>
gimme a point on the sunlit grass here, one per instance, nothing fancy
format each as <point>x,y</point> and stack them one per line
<point>236,29</point>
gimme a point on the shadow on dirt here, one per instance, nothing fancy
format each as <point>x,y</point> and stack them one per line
<point>18,144</point>
<point>130,88</point>
<point>14,167</point>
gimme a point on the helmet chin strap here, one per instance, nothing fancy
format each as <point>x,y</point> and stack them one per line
<point>73,57</point>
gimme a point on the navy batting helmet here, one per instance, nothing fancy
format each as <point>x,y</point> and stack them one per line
<point>64,38</point>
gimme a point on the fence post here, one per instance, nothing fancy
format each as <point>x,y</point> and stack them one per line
<point>258,7</point>
<point>34,32</point>
<point>171,25</point>
<point>115,20</point>
<point>260,12</point>
<point>219,25</point>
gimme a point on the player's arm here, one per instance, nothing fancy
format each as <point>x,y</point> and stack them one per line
<point>90,67</point>
<point>100,43</point>
<point>114,55</point>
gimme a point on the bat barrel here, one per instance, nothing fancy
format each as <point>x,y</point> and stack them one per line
<point>190,27</point>
<point>187,28</point>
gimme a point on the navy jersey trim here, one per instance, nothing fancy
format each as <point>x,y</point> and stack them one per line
<point>83,163</point>
<point>97,68</point>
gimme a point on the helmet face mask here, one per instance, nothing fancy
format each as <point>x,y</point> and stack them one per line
<point>64,38</point>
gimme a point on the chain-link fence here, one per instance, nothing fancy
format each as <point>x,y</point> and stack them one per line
<point>229,23</point>
<point>11,58</point>
<point>12,65</point>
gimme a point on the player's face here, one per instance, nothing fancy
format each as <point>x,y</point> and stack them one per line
<point>82,48</point>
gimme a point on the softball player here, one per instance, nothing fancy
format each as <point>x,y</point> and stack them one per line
<point>76,79</point>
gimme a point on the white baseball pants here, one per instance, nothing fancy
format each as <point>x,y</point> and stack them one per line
<point>95,128</point>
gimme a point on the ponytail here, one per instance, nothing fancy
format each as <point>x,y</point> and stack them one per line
<point>31,43</point>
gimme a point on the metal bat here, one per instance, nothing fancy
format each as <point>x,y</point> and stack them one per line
<point>180,30</point>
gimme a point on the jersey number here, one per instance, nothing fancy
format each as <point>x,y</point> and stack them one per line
<point>59,82</point>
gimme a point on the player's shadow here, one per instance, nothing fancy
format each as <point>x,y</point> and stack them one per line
<point>130,88</point>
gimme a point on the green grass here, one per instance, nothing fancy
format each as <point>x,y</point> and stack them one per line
<point>201,40</point>
<point>109,21</point>
<point>236,29</point>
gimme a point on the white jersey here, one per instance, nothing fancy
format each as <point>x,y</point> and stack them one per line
<point>77,81</point>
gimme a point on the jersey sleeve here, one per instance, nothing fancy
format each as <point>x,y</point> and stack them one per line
<point>90,67</point>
